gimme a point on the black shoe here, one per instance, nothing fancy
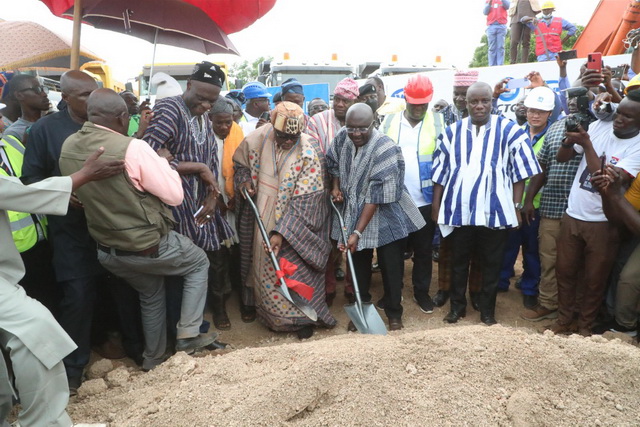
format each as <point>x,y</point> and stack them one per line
<point>351,327</point>
<point>529,301</point>
<point>375,267</point>
<point>435,255</point>
<point>425,304</point>
<point>380,304</point>
<point>305,333</point>
<point>455,315</point>
<point>474,300</point>
<point>74,385</point>
<point>407,255</point>
<point>395,324</point>
<point>518,284</point>
<point>190,345</point>
<point>488,319</point>
<point>440,298</point>
<point>339,274</point>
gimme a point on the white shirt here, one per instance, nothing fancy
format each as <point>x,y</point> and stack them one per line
<point>585,203</point>
<point>408,139</point>
<point>249,125</point>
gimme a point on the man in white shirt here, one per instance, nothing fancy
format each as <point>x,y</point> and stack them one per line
<point>586,237</point>
<point>416,130</point>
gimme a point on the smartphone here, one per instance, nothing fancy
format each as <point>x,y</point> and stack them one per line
<point>603,162</point>
<point>617,72</point>
<point>565,55</point>
<point>594,61</point>
<point>266,116</point>
<point>518,83</point>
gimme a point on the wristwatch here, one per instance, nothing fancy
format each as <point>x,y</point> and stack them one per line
<point>518,206</point>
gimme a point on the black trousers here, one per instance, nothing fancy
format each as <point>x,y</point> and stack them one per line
<point>391,262</point>
<point>489,245</point>
<point>39,281</point>
<point>422,241</point>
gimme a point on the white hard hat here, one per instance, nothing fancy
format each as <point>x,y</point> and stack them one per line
<point>540,98</point>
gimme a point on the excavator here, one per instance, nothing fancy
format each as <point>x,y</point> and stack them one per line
<point>613,28</point>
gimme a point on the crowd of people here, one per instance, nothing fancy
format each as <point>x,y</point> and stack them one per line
<point>135,217</point>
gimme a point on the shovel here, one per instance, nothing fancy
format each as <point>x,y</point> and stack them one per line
<point>293,297</point>
<point>364,315</point>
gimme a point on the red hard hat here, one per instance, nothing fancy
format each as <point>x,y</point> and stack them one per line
<point>418,90</point>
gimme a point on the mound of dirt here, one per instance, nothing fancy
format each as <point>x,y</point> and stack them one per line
<point>464,375</point>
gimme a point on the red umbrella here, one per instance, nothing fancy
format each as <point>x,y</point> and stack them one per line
<point>200,25</point>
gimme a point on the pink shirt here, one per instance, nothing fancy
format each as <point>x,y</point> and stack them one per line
<point>152,173</point>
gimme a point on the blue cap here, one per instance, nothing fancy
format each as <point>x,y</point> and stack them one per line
<point>254,90</point>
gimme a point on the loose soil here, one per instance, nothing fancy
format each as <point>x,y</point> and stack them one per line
<point>430,373</point>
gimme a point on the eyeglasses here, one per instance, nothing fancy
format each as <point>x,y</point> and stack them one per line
<point>36,89</point>
<point>286,136</point>
<point>359,130</point>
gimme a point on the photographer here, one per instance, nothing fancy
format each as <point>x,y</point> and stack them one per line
<point>586,237</point>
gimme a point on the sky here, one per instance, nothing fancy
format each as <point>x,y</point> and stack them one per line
<point>356,30</point>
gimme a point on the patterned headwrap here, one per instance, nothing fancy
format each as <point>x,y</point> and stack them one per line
<point>347,88</point>
<point>465,78</point>
<point>288,117</point>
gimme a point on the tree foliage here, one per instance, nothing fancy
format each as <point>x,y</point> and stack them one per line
<point>245,71</point>
<point>481,54</point>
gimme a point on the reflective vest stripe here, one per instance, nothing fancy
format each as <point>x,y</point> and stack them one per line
<point>25,228</point>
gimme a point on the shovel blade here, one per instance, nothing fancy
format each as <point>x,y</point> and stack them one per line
<point>368,321</point>
<point>299,302</point>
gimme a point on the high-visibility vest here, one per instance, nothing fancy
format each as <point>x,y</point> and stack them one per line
<point>536,148</point>
<point>551,34</point>
<point>431,128</point>
<point>27,229</point>
<point>497,13</point>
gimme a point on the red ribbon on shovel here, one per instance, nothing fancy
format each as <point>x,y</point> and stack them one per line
<point>287,269</point>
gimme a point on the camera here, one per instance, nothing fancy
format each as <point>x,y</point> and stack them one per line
<point>583,116</point>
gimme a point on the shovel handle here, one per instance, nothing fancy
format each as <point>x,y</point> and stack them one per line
<point>343,230</point>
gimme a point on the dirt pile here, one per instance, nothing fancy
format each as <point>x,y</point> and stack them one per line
<point>464,375</point>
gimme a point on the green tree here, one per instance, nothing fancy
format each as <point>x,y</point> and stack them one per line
<point>481,54</point>
<point>245,71</point>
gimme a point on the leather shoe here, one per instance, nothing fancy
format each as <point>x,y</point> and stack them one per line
<point>351,327</point>
<point>440,298</point>
<point>190,345</point>
<point>395,324</point>
<point>305,333</point>
<point>455,315</point>
<point>488,319</point>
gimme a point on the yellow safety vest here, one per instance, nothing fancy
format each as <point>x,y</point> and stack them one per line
<point>430,129</point>
<point>27,229</point>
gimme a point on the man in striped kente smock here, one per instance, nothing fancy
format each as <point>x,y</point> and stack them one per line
<point>479,171</point>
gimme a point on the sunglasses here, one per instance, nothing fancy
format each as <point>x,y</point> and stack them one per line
<point>37,90</point>
<point>286,136</point>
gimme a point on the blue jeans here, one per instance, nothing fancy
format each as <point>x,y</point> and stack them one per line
<point>527,237</point>
<point>495,36</point>
<point>551,56</point>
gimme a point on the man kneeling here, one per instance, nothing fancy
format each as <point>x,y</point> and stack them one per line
<point>127,217</point>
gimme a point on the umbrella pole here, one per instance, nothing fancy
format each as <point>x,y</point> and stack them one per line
<point>75,44</point>
<point>153,61</point>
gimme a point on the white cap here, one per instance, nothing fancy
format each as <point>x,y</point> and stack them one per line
<point>165,85</point>
<point>540,98</point>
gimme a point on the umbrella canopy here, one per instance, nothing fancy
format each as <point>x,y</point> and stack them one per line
<point>230,15</point>
<point>30,45</point>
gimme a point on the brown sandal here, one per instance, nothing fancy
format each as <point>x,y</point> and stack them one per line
<point>248,315</point>
<point>221,321</point>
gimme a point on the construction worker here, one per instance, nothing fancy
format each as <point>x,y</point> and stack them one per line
<point>416,131</point>
<point>496,11</point>
<point>548,30</point>
<point>257,99</point>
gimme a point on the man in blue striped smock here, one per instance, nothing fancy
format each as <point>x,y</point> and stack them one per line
<point>479,171</point>
<point>180,126</point>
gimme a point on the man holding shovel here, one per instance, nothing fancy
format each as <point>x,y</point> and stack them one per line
<point>368,178</point>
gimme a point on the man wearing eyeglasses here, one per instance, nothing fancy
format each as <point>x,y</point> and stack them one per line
<point>283,168</point>
<point>33,101</point>
<point>367,168</point>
